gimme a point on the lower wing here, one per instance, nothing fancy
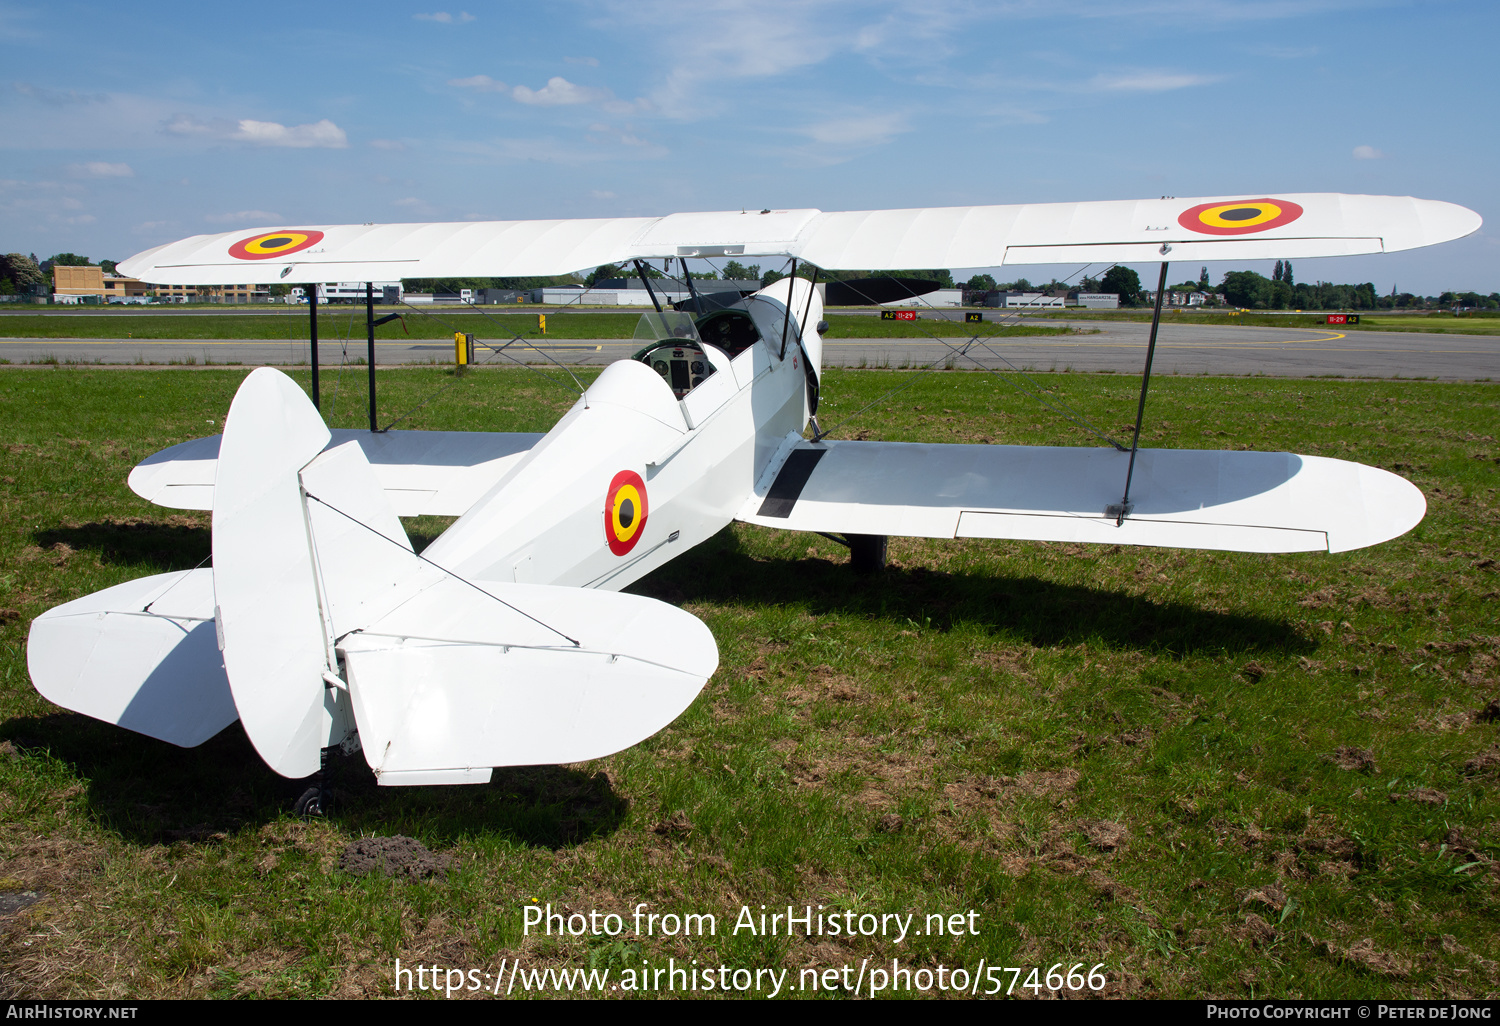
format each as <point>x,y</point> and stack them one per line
<point>437,473</point>
<point>1201,499</point>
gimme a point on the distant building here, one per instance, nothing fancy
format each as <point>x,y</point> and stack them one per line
<point>210,293</point>
<point>492,297</point>
<point>354,292</point>
<point>938,297</point>
<point>70,284</point>
<point>1025,300</point>
<point>1180,298</point>
<point>120,289</point>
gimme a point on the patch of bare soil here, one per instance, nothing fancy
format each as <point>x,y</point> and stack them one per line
<point>1271,896</point>
<point>1364,955</point>
<point>1012,661</point>
<point>676,825</point>
<point>393,856</point>
<point>1482,763</point>
<point>1422,796</point>
<point>1360,760</point>
<point>1257,931</point>
<point>1103,834</point>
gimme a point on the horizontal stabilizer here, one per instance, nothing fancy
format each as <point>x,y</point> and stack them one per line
<point>424,473</point>
<point>467,676</point>
<point>141,655</point>
<point>1180,498</point>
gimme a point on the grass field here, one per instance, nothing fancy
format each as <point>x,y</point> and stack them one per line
<point>1209,774</point>
<point>1481,323</point>
<point>349,322</point>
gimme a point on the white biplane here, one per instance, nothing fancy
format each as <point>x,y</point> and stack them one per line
<point>507,640</point>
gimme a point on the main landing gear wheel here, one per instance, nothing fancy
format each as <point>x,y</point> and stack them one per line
<point>866,552</point>
<point>311,803</point>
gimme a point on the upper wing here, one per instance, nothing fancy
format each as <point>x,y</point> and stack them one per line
<point>1207,228</point>
<point>1203,499</point>
<point>440,473</point>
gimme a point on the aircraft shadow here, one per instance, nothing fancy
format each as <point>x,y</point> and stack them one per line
<point>1040,612</point>
<point>150,792</point>
<point>159,547</point>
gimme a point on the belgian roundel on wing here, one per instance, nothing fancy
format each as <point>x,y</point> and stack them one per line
<point>1241,217</point>
<point>267,245</point>
<point>625,511</point>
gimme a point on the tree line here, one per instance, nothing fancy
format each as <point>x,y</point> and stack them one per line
<point>1246,289</point>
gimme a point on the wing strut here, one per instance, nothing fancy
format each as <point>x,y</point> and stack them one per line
<point>786,320</point>
<point>312,337</point>
<point>1121,511</point>
<point>646,281</point>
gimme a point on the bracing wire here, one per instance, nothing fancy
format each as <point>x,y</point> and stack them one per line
<point>496,351</point>
<point>438,566</point>
<point>964,352</point>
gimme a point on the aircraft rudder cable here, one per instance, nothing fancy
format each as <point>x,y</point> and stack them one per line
<point>438,566</point>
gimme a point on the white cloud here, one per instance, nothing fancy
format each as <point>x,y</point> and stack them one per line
<point>592,62</point>
<point>479,83</point>
<point>322,134</point>
<point>1284,53</point>
<point>603,194</point>
<point>444,18</point>
<point>1367,153</point>
<point>416,205</point>
<point>57,97</point>
<point>1150,81</point>
<point>625,136</point>
<point>244,217</point>
<point>394,145</point>
<point>857,130</point>
<point>101,169</point>
<point>559,92</point>
<point>182,124</point>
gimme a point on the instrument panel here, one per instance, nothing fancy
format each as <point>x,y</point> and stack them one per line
<point>684,366</point>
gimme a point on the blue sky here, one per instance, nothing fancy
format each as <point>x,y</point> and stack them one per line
<point>124,127</point>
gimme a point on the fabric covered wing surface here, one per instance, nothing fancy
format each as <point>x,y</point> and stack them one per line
<point>424,473</point>
<point>1241,501</point>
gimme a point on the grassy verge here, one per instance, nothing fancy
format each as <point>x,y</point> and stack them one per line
<point>1427,323</point>
<point>1215,774</point>
<point>349,322</point>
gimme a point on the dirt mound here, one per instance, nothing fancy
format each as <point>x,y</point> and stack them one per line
<point>393,856</point>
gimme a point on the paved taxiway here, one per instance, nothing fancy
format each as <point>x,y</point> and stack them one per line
<point>1118,347</point>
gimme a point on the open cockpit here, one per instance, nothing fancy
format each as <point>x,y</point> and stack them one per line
<point>686,351</point>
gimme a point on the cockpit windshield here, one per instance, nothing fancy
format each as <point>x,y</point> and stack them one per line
<point>666,325</point>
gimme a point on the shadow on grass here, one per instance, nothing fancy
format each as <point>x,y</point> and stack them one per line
<point>125,542</point>
<point>150,792</point>
<point>1030,609</point>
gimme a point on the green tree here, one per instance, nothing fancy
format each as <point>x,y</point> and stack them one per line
<point>1286,273</point>
<point>108,266</point>
<point>1248,289</point>
<point>980,283</point>
<point>1203,285</point>
<point>602,272</point>
<point>1124,282</point>
<point>23,270</point>
<point>67,260</point>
